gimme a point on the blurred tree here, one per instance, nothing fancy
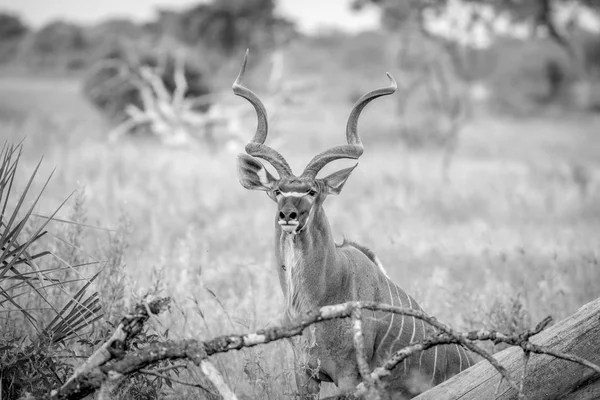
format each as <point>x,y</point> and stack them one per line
<point>433,105</point>
<point>59,37</point>
<point>59,45</point>
<point>11,27</point>
<point>466,30</point>
<point>229,25</point>
<point>462,25</point>
<point>115,29</point>
<point>12,32</point>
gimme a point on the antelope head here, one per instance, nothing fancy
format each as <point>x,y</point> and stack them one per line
<point>297,196</point>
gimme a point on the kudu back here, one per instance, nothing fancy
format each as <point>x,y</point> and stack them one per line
<point>314,271</point>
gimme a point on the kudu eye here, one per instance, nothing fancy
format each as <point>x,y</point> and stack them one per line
<point>276,192</point>
<point>312,193</point>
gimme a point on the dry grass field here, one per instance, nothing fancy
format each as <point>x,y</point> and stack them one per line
<point>512,237</point>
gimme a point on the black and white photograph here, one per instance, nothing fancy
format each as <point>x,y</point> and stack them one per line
<point>300,199</point>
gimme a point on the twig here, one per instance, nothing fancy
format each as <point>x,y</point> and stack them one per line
<point>488,357</point>
<point>181,84</point>
<point>521,340</point>
<point>526,356</point>
<point>440,339</point>
<point>460,339</point>
<point>215,377</point>
<point>498,387</point>
<point>176,380</point>
<point>359,345</point>
<point>361,359</point>
<point>128,328</point>
<point>534,348</point>
<point>207,369</point>
<point>170,367</point>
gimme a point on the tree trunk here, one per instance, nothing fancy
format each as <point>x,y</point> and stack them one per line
<point>546,377</point>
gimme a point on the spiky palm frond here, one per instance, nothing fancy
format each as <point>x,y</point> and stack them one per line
<point>77,314</point>
<point>20,274</point>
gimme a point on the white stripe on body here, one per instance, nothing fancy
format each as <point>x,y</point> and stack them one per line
<point>434,364</point>
<point>401,327</point>
<point>422,352</point>
<point>446,358</point>
<point>414,325</point>
<point>391,320</point>
<point>468,361</point>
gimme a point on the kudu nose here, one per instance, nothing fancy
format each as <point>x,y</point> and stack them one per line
<point>288,214</point>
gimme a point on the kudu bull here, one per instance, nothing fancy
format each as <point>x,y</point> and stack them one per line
<point>314,271</point>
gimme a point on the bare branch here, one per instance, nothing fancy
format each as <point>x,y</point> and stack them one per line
<point>488,357</point>
<point>361,359</point>
<point>198,351</point>
<point>170,367</point>
<point>174,379</point>
<point>181,85</point>
<point>215,377</point>
<point>526,356</point>
<point>564,356</point>
<point>207,369</point>
<point>129,327</point>
<point>449,337</point>
<point>359,345</point>
<point>452,338</point>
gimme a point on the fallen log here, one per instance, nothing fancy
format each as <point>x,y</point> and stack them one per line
<point>546,376</point>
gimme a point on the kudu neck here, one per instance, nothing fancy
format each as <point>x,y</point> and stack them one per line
<point>308,263</point>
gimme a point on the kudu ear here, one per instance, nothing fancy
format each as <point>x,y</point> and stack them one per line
<point>253,175</point>
<point>335,182</point>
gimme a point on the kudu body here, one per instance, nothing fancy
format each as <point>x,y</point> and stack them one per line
<point>314,271</point>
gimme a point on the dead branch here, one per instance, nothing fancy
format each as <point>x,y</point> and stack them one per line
<point>215,377</point>
<point>526,356</point>
<point>198,351</point>
<point>129,327</point>
<point>428,343</point>
<point>162,376</point>
<point>521,340</point>
<point>207,368</point>
<point>371,392</point>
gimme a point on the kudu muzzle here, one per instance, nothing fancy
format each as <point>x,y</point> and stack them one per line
<point>288,219</point>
